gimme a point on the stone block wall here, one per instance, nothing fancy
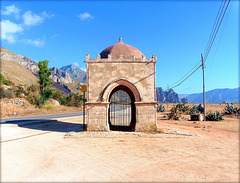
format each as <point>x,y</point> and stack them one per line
<point>146,117</point>
<point>142,75</point>
<point>97,116</point>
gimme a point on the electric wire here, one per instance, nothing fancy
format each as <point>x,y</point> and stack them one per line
<point>214,26</point>
<point>219,42</point>
<point>187,77</point>
<point>205,57</point>
<point>186,74</point>
<point>211,40</point>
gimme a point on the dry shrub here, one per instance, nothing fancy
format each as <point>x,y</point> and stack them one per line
<point>9,109</point>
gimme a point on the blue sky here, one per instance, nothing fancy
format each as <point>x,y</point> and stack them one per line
<point>176,31</point>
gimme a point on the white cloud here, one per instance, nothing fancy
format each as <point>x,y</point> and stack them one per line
<point>76,64</point>
<point>84,69</point>
<point>45,15</point>
<point>37,42</point>
<point>30,18</point>
<point>11,10</point>
<point>9,30</point>
<point>85,16</point>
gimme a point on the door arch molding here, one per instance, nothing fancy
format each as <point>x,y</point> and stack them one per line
<point>104,95</point>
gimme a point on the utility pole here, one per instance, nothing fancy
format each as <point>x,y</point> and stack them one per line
<point>204,105</point>
<point>84,126</point>
<point>84,89</point>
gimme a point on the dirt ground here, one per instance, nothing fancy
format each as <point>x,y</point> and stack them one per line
<point>186,152</point>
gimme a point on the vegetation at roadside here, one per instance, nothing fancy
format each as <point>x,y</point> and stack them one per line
<point>216,116</point>
<point>230,109</point>
<point>73,99</point>
<point>178,110</point>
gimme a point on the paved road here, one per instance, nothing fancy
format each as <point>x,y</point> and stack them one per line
<point>36,119</point>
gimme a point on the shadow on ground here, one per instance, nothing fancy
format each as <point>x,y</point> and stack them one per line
<point>46,125</point>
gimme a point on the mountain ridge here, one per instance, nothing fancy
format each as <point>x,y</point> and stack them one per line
<point>219,95</point>
<point>78,75</point>
<point>168,96</point>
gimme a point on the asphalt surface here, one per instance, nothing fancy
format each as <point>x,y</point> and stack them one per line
<point>38,119</point>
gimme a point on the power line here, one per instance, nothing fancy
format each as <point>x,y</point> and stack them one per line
<point>215,25</point>
<point>187,77</point>
<point>211,40</point>
<point>205,57</point>
<point>219,42</point>
<point>185,74</point>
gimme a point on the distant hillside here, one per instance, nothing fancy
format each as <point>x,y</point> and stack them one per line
<point>168,96</point>
<point>18,74</point>
<point>78,75</point>
<point>22,60</point>
<point>23,70</point>
<point>216,96</point>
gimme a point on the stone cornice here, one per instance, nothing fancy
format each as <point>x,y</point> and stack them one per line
<point>121,59</point>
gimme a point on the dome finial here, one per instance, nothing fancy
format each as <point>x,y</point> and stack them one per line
<point>120,39</point>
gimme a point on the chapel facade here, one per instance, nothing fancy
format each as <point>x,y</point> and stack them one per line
<point>121,89</point>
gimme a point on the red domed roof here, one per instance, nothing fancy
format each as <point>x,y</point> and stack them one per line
<point>121,49</point>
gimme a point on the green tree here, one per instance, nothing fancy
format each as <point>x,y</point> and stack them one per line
<point>44,81</point>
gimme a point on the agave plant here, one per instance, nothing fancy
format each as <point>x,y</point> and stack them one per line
<point>214,116</point>
<point>182,107</point>
<point>196,109</point>
<point>229,109</point>
<point>175,113</point>
<point>160,108</point>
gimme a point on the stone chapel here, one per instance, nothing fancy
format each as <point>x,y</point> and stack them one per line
<point>121,89</point>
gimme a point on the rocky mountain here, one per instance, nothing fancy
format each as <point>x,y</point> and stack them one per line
<point>216,96</point>
<point>78,75</point>
<point>23,70</point>
<point>168,96</point>
<point>60,76</point>
<point>22,60</point>
<point>17,74</point>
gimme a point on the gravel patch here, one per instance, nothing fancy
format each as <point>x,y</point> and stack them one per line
<point>175,133</point>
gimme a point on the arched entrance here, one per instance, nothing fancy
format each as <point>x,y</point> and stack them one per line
<point>122,110</point>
